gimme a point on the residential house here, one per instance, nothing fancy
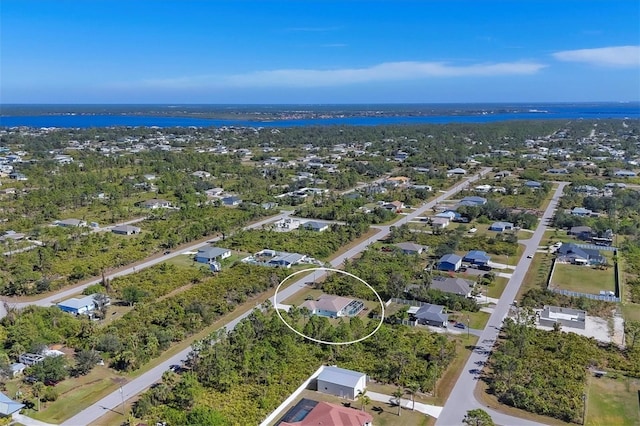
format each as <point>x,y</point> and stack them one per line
<point>11,236</point>
<point>394,206</point>
<point>18,176</point>
<point>287,224</point>
<point>533,184</point>
<point>211,254</point>
<point>17,368</point>
<point>429,314</point>
<point>472,200</point>
<point>477,257</point>
<point>483,188</point>
<point>449,262</point>
<point>452,285</point>
<point>9,407</point>
<point>286,260</point>
<point>558,171</point>
<point>71,223</point>
<point>571,253</point>
<point>270,205</point>
<point>313,413</point>
<point>125,230</point>
<point>552,315</point>
<point>334,306</point>
<point>231,201</point>
<point>449,214</point>
<point>625,173</point>
<point>316,226</point>
<point>201,174</point>
<point>456,172</point>
<point>214,192</point>
<point>397,181</point>
<point>581,212</point>
<point>79,306</point>
<point>501,226</point>
<point>440,222</point>
<point>410,248</point>
<point>30,359</point>
<point>341,382</point>
<point>581,232</point>
<point>156,203</point>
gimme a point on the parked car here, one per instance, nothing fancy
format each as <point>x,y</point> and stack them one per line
<point>460,325</point>
<point>167,252</point>
<point>529,256</point>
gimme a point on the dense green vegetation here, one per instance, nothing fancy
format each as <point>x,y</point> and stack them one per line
<point>242,376</point>
<point>144,332</point>
<point>545,372</point>
<point>316,244</point>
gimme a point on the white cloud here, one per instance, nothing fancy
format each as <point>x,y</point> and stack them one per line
<point>388,71</point>
<point>615,56</point>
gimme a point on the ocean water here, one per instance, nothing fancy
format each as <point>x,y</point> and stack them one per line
<point>83,116</point>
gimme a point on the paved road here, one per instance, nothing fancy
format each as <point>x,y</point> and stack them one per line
<point>461,398</point>
<point>54,298</point>
<point>114,400</point>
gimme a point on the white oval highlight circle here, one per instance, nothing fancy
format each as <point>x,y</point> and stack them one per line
<point>275,304</point>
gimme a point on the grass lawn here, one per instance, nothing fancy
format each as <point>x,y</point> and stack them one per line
<point>631,311</point>
<point>584,279</point>
<point>497,287</point>
<point>536,276</point>
<point>613,401</point>
<point>477,320</point>
<point>78,393</point>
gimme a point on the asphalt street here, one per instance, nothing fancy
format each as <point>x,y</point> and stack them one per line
<point>462,398</point>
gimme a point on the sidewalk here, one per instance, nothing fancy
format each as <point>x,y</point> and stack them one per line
<point>431,410</point>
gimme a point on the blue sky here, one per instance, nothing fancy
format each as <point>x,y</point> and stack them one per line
<point>422,51</point>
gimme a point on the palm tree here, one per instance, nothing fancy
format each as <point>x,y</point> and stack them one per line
<point>362,397</point>
<point>38,390</point>
<point>398,394</point>
<point>412,389</point>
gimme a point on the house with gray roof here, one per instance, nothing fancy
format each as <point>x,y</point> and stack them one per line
<point>410,248</point>
<point>429,314</point>
<point>501,226</point>
<point>572,253</point>
<point>457,286</point>
<point>125,230</point>
<point>211,254</point>
<point>8,406</point>
<point>473,200</point>
<point>71,223</point>
<point>341,382</point>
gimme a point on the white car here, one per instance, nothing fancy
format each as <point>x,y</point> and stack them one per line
<point>473,230</point>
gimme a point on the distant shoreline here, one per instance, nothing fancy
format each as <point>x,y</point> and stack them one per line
<point>85,116</point>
